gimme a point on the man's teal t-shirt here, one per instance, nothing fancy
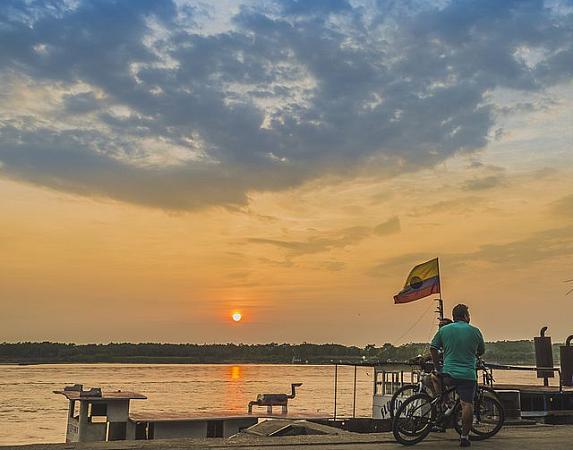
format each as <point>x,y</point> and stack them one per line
<point>460,342</point>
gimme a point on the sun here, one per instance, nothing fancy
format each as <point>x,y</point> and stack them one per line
<point>237,316</point>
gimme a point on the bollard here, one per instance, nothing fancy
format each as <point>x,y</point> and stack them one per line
<point>566,353</point>
<point>543,356</point>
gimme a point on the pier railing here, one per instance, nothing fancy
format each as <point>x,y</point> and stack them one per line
<point>530,369</point>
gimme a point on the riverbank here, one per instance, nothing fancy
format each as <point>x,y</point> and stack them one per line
<point>510,438</point>
<point>28,353</point>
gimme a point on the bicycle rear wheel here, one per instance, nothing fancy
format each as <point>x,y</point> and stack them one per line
<point>414,419</point>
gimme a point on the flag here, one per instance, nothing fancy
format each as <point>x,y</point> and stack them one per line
<point>423,280</point>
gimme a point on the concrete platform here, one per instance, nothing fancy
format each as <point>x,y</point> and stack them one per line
<point>510,438</point>
<point>219,415</point>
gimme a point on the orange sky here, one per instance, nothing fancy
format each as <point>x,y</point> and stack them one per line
<point>319,263</point>
<point>165,164</point>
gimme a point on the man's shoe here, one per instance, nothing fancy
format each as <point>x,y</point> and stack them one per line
<point>465,442</point>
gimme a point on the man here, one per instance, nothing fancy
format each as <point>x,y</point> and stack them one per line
<point>460,343</point>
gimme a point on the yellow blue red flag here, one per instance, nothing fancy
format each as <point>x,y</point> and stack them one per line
<point>424,280</point>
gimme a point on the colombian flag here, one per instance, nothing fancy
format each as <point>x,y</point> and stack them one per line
<point>423,280</point>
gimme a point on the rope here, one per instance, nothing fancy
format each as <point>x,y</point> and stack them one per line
<point>430,304</point>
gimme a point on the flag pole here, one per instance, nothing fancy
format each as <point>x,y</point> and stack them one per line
<point>440,309</point>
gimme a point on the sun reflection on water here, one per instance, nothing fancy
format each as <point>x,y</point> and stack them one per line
<point>235,372</point>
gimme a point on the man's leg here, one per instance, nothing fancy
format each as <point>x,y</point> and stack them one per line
<point>436,385</point>
<point>466,391</point>
<point>467,417</point>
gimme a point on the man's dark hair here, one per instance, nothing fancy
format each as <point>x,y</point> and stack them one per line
<point>460,312</point>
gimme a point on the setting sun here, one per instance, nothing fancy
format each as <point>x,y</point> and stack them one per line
<point>237,316</point>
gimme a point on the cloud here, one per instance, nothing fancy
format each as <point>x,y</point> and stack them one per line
<point>286,263</point>
<point>539,247</point>
<point>316,244</point>
<point>484,183</point>
<point>82,103</point>
<point>391,226</point>
<point>461,205</point>
<point>563,207</point>
<point>332,266</point>
<point>499,134</point>
<point>381,197</point>
<point>527,107</point>
<point>544,172</point>
<point>399,264</point>
<point>326,241</point>
<point>157,112</point>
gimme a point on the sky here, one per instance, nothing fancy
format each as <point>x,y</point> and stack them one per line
<point>164,164</point>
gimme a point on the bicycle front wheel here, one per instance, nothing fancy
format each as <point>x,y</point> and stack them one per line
<point>488,417</point>
<point>400,395</point>
<point>414,419</point>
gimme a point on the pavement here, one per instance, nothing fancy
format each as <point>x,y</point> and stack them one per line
<point>534,437</point>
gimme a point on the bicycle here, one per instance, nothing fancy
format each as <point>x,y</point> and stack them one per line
<point>423,385</point>
<point>420,413</point>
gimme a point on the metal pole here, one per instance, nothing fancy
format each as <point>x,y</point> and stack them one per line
<point>335,387</point>
<point>440,310</point>
<point>354,401</point>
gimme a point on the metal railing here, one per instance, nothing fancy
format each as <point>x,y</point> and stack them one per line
<point>529,369</point>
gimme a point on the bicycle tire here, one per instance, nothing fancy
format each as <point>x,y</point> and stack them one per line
<point>496,404</point>
<point>401,424</point>
<point>489,390</point>
<point>398,393</point>
<point>477,434</point>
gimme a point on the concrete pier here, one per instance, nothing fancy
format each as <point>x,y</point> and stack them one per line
<point>511,438</point>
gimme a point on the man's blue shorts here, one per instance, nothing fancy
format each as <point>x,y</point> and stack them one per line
<point>466,389</point>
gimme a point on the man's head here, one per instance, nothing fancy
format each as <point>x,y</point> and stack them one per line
<point>461,312</point>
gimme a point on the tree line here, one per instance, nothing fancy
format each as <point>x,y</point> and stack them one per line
<point>503,352</point>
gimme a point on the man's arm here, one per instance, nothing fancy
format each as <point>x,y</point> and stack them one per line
<point>435,346</point>
<point>481,344</point>
<point>436,358</point>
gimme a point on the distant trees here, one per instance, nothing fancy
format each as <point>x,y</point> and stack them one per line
<point>505,352</point>
<point>187,353</point>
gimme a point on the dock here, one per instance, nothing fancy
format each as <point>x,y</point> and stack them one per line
<point>555,437</point>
